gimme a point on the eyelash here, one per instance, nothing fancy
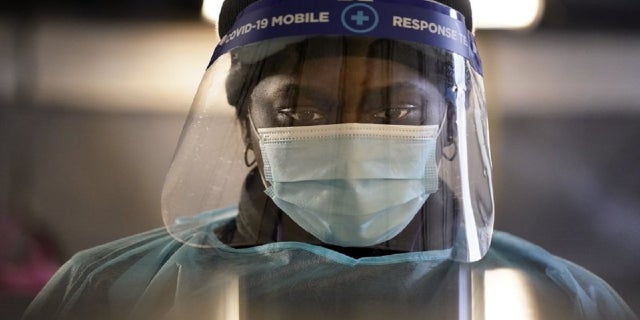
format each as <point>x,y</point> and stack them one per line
<point>294,114</point>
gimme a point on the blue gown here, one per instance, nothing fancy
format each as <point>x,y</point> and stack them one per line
<point>153,276</point>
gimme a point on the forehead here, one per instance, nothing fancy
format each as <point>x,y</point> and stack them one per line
<point>350,71</point>
<point>424,60</point>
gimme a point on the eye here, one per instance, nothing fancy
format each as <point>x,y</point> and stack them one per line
<point>394,113</point>
<point>303,115</point>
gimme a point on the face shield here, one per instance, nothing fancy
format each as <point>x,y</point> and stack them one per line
<point>348,125</point>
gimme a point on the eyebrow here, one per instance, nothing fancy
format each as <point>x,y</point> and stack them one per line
<point>329,101</point>
<point>308,92</point>
<point>313,92</point>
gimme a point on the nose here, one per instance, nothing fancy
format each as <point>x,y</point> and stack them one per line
<point>353,84</point>
<point>350,112</point>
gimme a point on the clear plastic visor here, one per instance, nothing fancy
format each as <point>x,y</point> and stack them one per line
<point>367,146</point>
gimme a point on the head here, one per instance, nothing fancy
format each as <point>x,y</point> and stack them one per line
<point>356,136</point>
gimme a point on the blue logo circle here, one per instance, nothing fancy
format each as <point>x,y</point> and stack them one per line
<point>360,18</point>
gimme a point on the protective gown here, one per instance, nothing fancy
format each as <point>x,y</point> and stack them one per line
<point>153,276</point>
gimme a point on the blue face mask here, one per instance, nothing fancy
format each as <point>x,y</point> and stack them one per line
<point>350,184</point>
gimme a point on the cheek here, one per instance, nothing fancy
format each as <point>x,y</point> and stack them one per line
<point>434,114</point>
<point>439,110</point>
<point>262,113</point>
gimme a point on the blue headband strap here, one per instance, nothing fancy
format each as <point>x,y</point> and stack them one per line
<point>420,21</point>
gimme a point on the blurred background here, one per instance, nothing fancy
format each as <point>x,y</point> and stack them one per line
<point>94,93</point>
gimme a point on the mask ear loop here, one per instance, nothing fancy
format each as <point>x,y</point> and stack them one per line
<point>254,132</point>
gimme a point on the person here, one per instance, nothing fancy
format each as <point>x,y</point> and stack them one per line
<point>353,183</point>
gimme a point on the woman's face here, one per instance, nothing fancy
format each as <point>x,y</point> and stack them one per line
<point>349,89</point>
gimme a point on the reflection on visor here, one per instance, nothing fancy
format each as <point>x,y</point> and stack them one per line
<point>344,80</point>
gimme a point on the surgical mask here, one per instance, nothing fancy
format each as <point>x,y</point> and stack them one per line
<point>351,184</point>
